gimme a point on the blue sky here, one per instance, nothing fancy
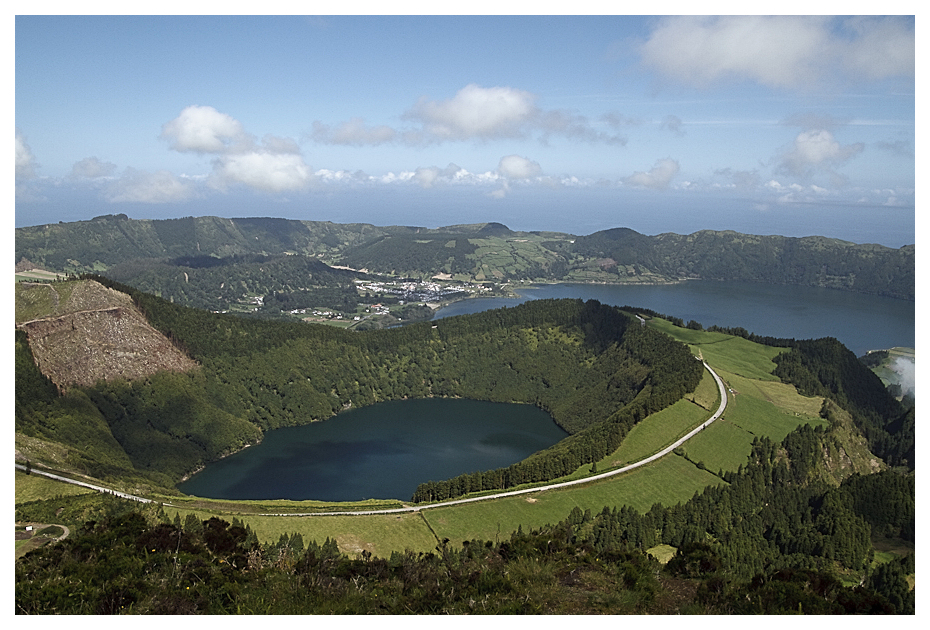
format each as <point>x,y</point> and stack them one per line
<point>766,125</point>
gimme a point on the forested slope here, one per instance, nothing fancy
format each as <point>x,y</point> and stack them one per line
<point>596,369</point>
<point>728,255</point>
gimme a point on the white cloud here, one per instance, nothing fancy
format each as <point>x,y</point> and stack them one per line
<point>25,160</point>
<point>271,172</point>
<point>205,130</point>
<point>426,176</point>
<point>92,167</point>
<point>816,149</point>
<point>574,127</point>
<point>780,51</point>
<point>275,165</point>
<point>477,112</point>
<point>741,180</point>
<point>143,187</point>
<point>516,167</point>
<point>905,369</point>
<point>659,177</point>
<point>501,192</point>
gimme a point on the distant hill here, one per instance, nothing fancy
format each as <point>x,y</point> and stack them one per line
<point>478,252</point>
<point>728,255</point>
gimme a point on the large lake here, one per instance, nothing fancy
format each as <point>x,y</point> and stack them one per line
<point>861,322</point>
<point>386,450</point>
<point>379,452</point>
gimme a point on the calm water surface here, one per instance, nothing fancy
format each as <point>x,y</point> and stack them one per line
<point>383,451</point>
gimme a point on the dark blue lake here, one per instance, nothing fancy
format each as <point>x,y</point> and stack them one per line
<point>379,452</point>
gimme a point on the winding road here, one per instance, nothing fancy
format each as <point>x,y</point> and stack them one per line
<point>498,495</point>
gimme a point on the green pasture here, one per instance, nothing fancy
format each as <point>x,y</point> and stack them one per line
<point>655,433</point>
<point>780,394</point>
<point>510,256</point>
<point>760,417</point>
<point>721,446</point>
<point>668,481</point>
<point>725,352</point>
<point>379,534</point>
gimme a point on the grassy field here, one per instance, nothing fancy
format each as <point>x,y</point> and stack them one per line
<point>725,352</point>
<point>761,406</point>
<point>640,489</point>
<point>379,534</point>
<point>650,437</point>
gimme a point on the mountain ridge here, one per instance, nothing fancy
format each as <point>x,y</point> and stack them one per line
<point>483,252</point>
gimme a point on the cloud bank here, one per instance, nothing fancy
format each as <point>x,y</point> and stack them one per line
<point>815,150</point>
<point>780,51</point>
<point>142,187</point>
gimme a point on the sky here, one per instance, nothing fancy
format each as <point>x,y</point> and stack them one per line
<point>792,125</point>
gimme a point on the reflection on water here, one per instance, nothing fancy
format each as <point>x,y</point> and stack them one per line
<point>384,451</point>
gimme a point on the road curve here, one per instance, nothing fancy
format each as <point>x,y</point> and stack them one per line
<point>498,495</point>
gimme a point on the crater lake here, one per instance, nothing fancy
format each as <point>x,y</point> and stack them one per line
<point>383,451</point>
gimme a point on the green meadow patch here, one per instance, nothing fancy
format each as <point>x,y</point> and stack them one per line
<point>668,481</point>
<point>779,394</point>
<point>662,553</point>
<point>762,418</point>
<point>721,446</point>
<point>655,433</point>
<point>725,352</point>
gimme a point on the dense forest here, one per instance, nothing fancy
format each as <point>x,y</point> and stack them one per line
<point>169,257</point>
<point>594,368</point>
<point>771,540</point>
<point>213,283</point>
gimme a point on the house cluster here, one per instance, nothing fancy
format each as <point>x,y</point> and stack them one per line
<point>411,291</point>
